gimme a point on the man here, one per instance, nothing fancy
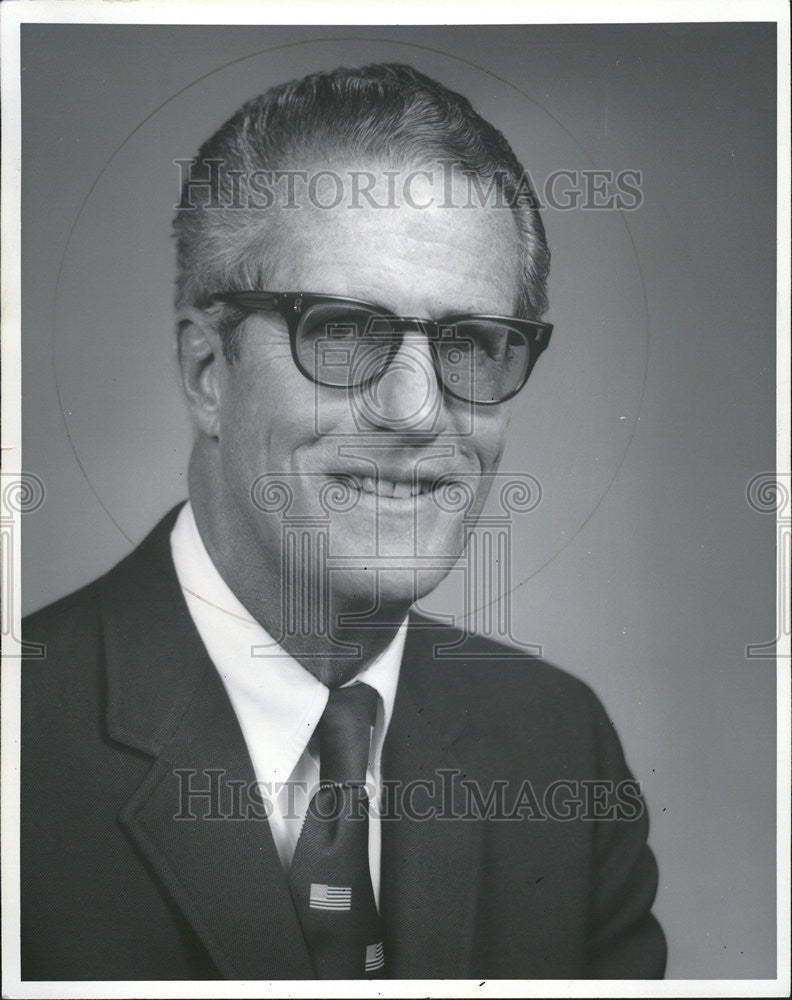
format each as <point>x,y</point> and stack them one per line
<point>244,756</point>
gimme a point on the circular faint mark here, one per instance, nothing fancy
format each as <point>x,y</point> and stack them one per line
<point>262,494</point>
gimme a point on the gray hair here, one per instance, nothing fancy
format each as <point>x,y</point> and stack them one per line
<point>388,112</point>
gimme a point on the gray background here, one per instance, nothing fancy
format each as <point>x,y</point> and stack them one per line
<point>643,570</point>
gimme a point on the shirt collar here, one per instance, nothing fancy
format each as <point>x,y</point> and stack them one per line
<point>277,701</point>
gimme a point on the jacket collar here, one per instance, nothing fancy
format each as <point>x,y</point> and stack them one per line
<point>154,655</point>
<point>166,699</point>
<point>430,865</point>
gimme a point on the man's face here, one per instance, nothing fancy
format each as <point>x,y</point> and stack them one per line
<point>379,444</point>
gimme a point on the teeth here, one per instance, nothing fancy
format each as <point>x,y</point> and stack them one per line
<point>401,491</point>
<point>388,488</point>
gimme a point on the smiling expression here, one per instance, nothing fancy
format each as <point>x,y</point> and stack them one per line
<point>384,463</point>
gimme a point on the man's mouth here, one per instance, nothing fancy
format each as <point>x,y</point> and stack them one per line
<point>390,488</point>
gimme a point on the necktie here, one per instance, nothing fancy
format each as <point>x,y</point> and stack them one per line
<point>330,879</point>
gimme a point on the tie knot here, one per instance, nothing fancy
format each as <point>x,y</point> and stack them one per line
<point>345,733</point>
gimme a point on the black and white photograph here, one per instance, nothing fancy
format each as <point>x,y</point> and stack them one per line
<point>396,506</point>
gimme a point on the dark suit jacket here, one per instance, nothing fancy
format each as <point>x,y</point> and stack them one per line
<point>115,886</point>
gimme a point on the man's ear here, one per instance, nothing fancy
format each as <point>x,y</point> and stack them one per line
<point>202,367</point>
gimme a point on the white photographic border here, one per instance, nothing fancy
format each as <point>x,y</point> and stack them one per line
<point>373,12</point>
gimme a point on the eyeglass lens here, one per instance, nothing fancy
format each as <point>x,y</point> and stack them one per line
<point>346,345</point>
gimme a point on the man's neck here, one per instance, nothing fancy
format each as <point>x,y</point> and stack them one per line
<point>333,635</point>
<point>335,648</point>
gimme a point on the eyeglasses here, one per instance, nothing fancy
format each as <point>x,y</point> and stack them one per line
<point>346,343</point>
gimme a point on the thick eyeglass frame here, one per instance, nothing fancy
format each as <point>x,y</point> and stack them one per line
<point>292,305</point>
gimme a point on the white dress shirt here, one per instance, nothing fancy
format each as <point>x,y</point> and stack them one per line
<point>277,701</point>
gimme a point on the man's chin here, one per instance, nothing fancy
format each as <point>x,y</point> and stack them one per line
<point>385,592</point>
<point>411,534</point>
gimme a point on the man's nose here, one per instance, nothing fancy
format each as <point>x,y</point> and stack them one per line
<point>407,395</point>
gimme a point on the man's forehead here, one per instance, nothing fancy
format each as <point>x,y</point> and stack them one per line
<point>417,195</point>
<point>415,221</point>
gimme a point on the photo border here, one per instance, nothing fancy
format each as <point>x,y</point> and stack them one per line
<point>13,14</point>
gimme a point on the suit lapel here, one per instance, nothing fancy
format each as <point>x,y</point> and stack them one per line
<point>429,866</point>
<point>220,866</point>
<point>166,699</point>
